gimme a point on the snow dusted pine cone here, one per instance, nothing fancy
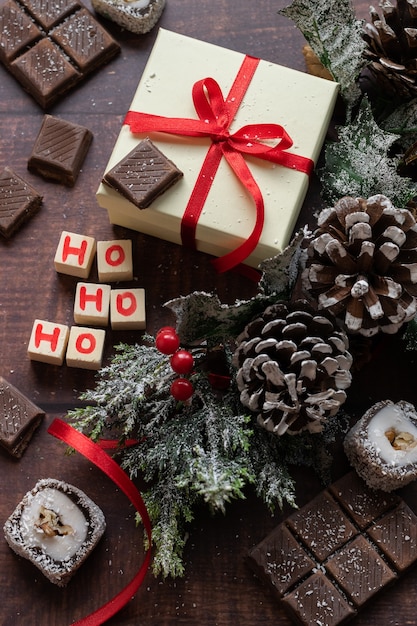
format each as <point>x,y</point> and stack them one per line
<point>362,264</point>
<point>391,40</point>
<point>293,368</point>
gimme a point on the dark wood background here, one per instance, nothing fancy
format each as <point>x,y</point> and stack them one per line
<point>218,589</point>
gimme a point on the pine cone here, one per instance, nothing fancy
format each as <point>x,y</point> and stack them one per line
<point>362,264</point>
<point>391,40</point>
<point>293,368</point>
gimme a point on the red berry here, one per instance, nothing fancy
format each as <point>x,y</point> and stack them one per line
<point>166,329</point>
<point>181,389</point>
<point>167,342</point>
<point>182,362</point>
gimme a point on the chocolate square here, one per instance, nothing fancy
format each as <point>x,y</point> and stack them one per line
<point>49,12</point>
<point>18,201</point>
<point>361,502</point>
<point>359,570</point>
<point>396,535</point>
<point>59,151</point>
<point>44,72</point>
<point>281,559</point>
<point>143,175</point>
<point>322,526</point>
<point>19,418</point>
<point>317,601</point>
<point>17,31</point>
<point>84,40</point>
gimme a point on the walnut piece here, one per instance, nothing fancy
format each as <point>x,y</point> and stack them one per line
<point>50,523</point>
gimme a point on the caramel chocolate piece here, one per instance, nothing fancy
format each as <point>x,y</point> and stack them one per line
<point>56,526</point>
<point>50,46</point>
<point>18,201</point>
<point>143,175</point>
<point>19,418</point>
<point>326,561</point>
<point>59,151</point>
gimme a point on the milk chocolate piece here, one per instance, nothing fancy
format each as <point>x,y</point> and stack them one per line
<point>59,150</point>
<point>18,201</point>
<point>19,418</point>
<point>143,175</point>
<point>50,46</point>
<point>326,561</point>
<point>55,526</point>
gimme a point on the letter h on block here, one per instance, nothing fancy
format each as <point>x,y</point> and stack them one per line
<point>48,342</point>
<point>92,303</point>
<point>74,254</point>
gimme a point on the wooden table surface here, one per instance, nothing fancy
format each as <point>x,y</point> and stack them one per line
<point>218,588</point>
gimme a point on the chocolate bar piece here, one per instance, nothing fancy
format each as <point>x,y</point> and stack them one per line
<point>328,559</point>
<point>56,526</point>
<point>59,150</point>
<point>138,16</point>
<point>19,418</point>
<point>18,201</point>
<point>143,175</point>
<point>49,46</point>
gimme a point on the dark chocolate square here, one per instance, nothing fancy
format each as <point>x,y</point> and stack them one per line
<point>281,559</point>
<point>362,503</point>
<point>396,535</point>
<point>18,201</point>
<point>19,418</point>
<point>322,526</point>
<point>143,175</point>
<point>59,150</point>
<point>49,12</point>
<point>44,72</point>
<point>17,31</point>
<point>359,570</point>
<point>317,601</point>
<point>84,40</point>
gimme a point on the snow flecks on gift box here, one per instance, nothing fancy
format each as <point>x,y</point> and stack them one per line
<point>94,304</point>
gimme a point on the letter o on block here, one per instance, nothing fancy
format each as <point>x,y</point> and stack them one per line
<point>85,347</point>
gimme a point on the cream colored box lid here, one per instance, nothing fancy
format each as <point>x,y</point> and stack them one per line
<point>301,103</point>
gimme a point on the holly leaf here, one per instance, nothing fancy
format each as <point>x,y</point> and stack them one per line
<point>359,165</point>
<point>201,315</point>
<point>334,34</point>
<point>403,122</point>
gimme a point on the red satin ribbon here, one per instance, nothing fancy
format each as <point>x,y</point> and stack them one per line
<point>96,455</point>
<point>215,117</point>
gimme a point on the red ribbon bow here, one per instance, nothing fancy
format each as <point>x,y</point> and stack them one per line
<point>215,117</point>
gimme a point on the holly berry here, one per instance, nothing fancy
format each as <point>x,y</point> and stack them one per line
<point>181,389</point>
<point>166,329</point>
<point>167,341</point>
<point>182,362</point>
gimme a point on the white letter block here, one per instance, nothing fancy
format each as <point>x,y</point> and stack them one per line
<point>127,309</point>
<point>48,342</point>
<point>114,260</point>
<point>85,347</point>
<point>92,304</point>
<point>74,254</point>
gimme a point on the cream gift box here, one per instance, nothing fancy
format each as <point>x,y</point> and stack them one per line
<point>301,103</point>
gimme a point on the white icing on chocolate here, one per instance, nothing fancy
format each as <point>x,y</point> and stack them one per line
<point>391,417</point>
<point>58,547</point>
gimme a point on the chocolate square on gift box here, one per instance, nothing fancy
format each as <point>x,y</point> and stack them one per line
<point>299,103</point>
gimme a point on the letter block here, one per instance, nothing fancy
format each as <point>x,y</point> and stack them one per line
<point>114,260</point>
<point>85,347</point>
<point>75,254</point>
<point>127,309</point>
<point>48,342</point>
<point>92,304</point>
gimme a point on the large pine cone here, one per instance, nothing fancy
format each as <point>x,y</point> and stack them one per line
<point>362,264</point>
<point>293,368</point>
<point>391,40</point>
